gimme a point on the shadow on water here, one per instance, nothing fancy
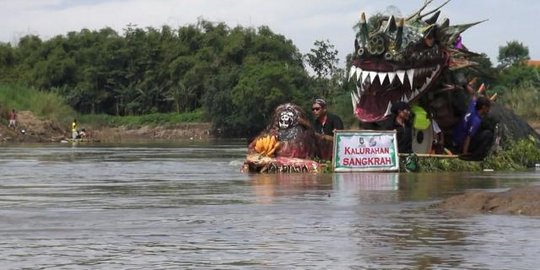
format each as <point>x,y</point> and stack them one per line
<point>186,205</point>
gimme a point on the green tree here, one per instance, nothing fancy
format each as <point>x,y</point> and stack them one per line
<point>8,63</point>
<point>329,78</point>
<point>261,88</point>
<point>323,59</point>
<point>514,53</point>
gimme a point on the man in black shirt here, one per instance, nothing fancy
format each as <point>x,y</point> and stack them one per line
<point>401,113</point>
<point>325,124</point>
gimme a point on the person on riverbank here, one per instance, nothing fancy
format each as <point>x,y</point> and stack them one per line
<point>84,134</point>
<point>325,124</point>
<point>12,119</point>
<point>74,131</point>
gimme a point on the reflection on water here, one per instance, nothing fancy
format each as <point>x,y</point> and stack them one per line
<point>175,206</point>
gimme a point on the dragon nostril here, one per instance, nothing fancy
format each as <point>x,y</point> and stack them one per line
<point>388,56</point>
<point>361,51</point>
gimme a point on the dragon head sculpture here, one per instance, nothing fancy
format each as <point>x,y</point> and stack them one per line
<point>402,59</point>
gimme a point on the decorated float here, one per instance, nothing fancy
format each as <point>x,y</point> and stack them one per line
<point>418,59</point>
<point>288,144</point>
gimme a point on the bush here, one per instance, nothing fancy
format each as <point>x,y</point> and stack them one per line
<point>517,156</point>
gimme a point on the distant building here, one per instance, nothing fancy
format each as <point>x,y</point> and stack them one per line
<point>533,63</point>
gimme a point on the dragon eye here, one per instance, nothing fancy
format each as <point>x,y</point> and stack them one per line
<point>376,45</point>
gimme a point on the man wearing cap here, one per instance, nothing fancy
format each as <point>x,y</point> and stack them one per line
<point>325,125</point>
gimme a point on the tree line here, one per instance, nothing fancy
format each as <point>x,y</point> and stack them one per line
<point>237,76</point>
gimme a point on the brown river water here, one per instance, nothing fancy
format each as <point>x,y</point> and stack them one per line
<point>188,206</point>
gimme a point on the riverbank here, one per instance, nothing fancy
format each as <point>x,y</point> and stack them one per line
<point>182,131</point>
<point>32,129</point>
<point>517,201</point>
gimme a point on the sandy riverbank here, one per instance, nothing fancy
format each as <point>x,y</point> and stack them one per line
<point>517,201</point>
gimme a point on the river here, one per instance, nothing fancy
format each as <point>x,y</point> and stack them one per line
<point>188,206</point>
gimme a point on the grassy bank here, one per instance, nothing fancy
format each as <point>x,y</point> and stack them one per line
<point>155,119</point>
<point>42,104</point>
<point>51,106</point>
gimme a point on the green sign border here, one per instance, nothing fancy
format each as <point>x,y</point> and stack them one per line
<point>338,140</point>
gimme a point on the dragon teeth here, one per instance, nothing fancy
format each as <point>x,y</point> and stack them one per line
<point>355,100</point>
<point>391,76</point>
<point>365,74</point>
<point>359,90</point>
<point>382,76</point>
<point>401,76</point>
<point>410,74</point>
<point>388,109</point>
<point>372,75</point>
<point>404,98</point>
<point>352,72</point>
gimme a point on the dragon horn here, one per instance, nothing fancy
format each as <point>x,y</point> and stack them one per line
<point>399,35</point>
<point>434,10</point>
<point>481,89</point>
<point>452,32</point>
<point>493,97</point>
<point>363,29</point>
<point>433,18</point>
<point>391,25</point>
<point>460,28</point>
<point>417,14</point>
<point>473,81</point>
<point>445,23</point>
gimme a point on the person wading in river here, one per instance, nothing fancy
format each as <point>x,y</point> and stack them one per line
<point>325,124</point>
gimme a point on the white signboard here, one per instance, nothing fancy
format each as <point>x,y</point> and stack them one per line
<point>365,150</point>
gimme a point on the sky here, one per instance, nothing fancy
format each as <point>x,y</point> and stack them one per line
<point>302,21</point>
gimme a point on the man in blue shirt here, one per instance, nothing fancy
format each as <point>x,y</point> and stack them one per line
<point>469,139</point>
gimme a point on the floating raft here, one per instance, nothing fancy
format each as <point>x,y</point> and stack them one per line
<point>85,140</point>
<point>262,164</point>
